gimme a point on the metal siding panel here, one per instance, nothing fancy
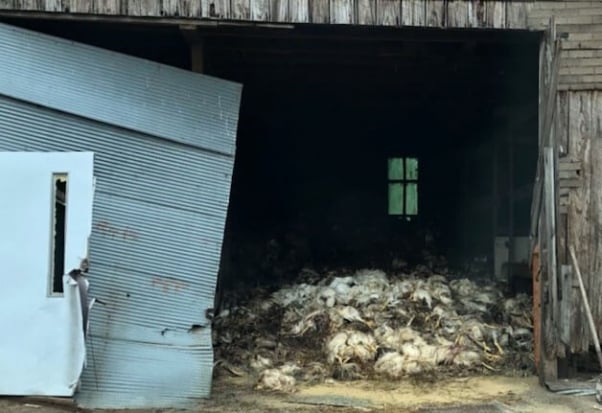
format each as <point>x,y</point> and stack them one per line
<point>158,224</point>
<point>120,90</point>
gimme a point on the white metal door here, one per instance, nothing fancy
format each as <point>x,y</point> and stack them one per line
<point>45,220</point>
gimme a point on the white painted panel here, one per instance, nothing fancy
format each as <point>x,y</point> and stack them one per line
<point>42,350</point>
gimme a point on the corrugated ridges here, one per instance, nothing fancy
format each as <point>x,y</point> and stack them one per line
<point>157,280</point>
<point>120,90</point>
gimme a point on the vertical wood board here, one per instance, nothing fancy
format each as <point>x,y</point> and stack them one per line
<point>320,11</point>
<point>49,5</point>
<point>435,13</point>
<point>579,231</point>
<point>457,13</point>
<point>241,9</point>
<point>217,9</point>
<point>388,12</point>
<point>299,11</point>
<point>562,123</point>
<point>280,11</point>
<point>366,12</point>
<point>517,14</point>
<point>260,10</point>
<point>110,7</point>
<point>181,8</point>
<point>143,7</point>
<point>496,14</point>
<point>341,11</point>
<point>477,13</point>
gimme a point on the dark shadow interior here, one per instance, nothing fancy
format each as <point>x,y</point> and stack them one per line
<point>322,111</point>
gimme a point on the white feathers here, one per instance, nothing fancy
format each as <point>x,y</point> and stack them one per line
<point>276,380</point>
<point>349,346</point>
<point>412,322</point>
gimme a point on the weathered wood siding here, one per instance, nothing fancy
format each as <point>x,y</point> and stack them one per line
<point>580,25</point>
<point>579,134</point>
<point>579,22</point>
<point>432,13</point>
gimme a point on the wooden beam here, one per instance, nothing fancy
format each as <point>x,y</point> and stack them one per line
<point>196,42</point>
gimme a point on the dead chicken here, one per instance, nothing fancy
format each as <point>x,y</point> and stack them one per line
<point>351,345</point>
<point>276,380</point>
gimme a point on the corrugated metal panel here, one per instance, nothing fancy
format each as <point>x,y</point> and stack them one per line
<point>158,222</point>
<point>121,90</point>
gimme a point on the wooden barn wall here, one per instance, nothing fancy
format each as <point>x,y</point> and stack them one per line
<point>579,22</point>
<point>579,133</point>
<point>431,13</point>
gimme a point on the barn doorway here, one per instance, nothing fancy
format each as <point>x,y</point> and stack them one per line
<point>383,178</point>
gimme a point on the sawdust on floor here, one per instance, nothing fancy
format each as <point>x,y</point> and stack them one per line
<point>236,395</point>
<point>405,394</point>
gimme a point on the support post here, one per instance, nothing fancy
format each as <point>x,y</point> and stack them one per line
<point>196,43</point>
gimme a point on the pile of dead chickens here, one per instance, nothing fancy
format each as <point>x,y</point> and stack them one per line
<point>369,325</point>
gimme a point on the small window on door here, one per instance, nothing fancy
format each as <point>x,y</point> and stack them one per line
<point>403,187</point>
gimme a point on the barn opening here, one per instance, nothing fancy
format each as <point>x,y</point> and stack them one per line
<point>401,150</point>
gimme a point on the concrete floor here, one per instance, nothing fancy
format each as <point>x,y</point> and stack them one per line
<point>469,395</point>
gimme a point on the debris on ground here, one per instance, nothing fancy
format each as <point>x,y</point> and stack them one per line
<point>370,325</point>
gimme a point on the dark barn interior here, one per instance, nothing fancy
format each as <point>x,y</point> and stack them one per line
<point>321,117</point>
<point>325,109</point>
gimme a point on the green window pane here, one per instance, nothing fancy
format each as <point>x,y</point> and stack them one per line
<point>396,168</point>
<point>412,199</point>
<point>412,169</point>
<point>396,199</point>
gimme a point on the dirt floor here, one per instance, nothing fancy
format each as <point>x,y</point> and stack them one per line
<point>470,395</point>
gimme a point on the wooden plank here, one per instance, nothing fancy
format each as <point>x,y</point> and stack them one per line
<point>143,8</point>
<point>30,5</point>
<point>280,11</point>
<point>87,6</point>
<point>496,14</point>
<point>241,9</point>
<point>477,13</point>
<point>435,13</point>
<point>566,302</point>
<point>366,12</point>
<point>569,165</point>
<point>341,11</point>
<point>413,12</point>
<point>517,14</point>
<point>181,8</point>
<point>260,10</point>
<point>537,308</point>
<point>217,9</point>
<point>570,183</point>
<point>110,7</point>
<point>319,11</point>
<point>299,11</point>
<point>568,175</point>
<point>551,259</point>
<point>562,123</point>
<point>580,62</point>
<point>388,12</point>
<point>49,5</point>
<point>457,13</point>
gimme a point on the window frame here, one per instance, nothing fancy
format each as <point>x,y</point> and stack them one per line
<point>405,182</point>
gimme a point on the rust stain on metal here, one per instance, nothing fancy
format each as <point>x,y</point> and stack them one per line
<point>126,233</point>
<point>168,284</point>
